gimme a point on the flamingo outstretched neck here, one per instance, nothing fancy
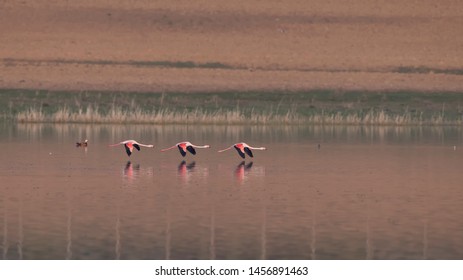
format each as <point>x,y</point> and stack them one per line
<point>243,149</point>
<point>130,144</point>
<point>185,146</point>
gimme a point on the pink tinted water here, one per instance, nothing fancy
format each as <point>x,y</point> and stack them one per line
<point>364,193</point>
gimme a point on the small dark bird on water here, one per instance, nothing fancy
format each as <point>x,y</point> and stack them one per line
<point>82,144</point>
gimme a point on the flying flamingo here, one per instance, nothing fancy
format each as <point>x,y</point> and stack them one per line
<point>243,149</point>
<point>183,147</point>
<point>130,144</point>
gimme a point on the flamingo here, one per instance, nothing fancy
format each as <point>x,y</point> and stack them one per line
<point>130,144</point>
<point>82,144</point>
<point>243,149</point>
<point>183,147</point>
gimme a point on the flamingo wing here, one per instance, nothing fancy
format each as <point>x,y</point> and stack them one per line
<point>191,150</point>
<point>182,151</point>
<point>240,152</point>
<point>128,149</point>
<point>248,166</point>
<point>248,151</point>
<point>136,146</point>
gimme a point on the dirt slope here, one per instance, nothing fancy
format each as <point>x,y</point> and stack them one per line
<point>210,45</point>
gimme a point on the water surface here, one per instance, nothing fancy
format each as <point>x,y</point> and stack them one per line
<point>315,193</point>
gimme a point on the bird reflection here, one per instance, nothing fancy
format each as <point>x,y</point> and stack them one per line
<point>184,170</point>
<point>131,171</point>
<point>242,169</point>
<point>192,171</point>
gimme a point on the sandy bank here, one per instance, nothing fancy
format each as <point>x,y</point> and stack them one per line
<point>265,46</point>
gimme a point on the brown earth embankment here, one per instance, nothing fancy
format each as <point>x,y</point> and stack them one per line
<point>191,46</point>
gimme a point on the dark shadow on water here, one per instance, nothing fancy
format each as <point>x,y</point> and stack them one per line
<point>184,167</point>
<point>242,167</point>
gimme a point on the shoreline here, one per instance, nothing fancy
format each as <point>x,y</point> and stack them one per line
<point>249,107</point>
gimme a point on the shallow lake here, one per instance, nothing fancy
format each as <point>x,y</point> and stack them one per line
<point>317,192</point>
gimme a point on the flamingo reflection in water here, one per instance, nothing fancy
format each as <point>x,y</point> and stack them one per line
<point>245,171</point>
<point>242,169</point>
<point>187,170</point>
<point>184,168</point>
<point>131,171</point>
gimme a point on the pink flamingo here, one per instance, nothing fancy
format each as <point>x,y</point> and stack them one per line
<point>130,144</point>
<point>183,147</point>
<point>243,149</point>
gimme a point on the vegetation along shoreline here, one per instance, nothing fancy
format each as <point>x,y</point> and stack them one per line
<point>345,107</point>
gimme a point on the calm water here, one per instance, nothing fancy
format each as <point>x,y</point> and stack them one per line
<point>365,193</point>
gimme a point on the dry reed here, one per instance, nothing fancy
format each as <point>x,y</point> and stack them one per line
<point>135,115</point>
